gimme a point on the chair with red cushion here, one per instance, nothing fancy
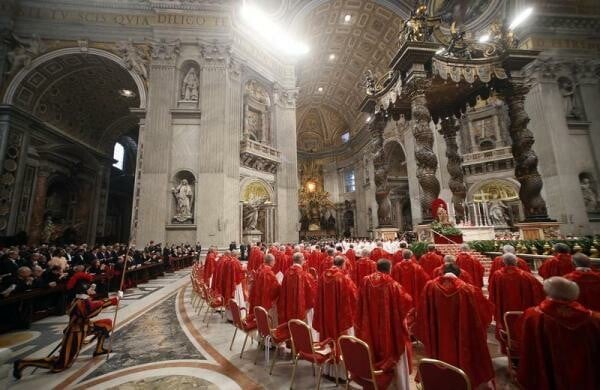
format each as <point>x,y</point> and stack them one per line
<point>267,335</point>
<point>305,348</point>
<point>358,362</point>
<point>436,374</point>
<point>214,301</point>
<point>239,323</point>
<point>512,336</point>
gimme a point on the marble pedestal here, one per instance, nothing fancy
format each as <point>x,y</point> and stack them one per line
<point>251,236</point>
<point>538,230</point>
<point>386,233</point>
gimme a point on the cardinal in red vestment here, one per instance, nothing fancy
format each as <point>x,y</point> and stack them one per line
<point>452,320</point>
<point>255,258</point>
<point>558,265</point>
<point>467,262</point>
<point>462,274</point>
<point>380,321</point>
<point>587,280</point>
<point>364,267</point>
<point>228,275</point>
<point>297,294</point>
<point>431,260</point>
<point>560,342</point>
<point>379,253</point>
<point>209,265</point>
<point>410,275</point>
<point>351,256</point>
<point>512,289</point>
<point>335,305</point>
<point>327,261</point>
<point>314,261</point>
<point>264,291</point>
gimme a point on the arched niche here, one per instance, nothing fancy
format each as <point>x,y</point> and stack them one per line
<point>257,112</point>
<point>183,191</point>
<point>395,159</point>
<point>499,198</point>
<point>256,188</point>
<point>189,84</point>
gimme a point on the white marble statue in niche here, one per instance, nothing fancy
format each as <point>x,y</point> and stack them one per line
<point>250,212</point>
<point>590,196</point>
<point>190,86</point>
<point>568,90</point>
<point>184,198</point>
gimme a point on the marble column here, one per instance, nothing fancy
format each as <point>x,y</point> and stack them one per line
<point>154,180</point>
<point>218,197</point>
<point>284,112</point>
<point>38,206</point>
<point>449,129</point>
<point>526,160</point>
<point>424,155</point>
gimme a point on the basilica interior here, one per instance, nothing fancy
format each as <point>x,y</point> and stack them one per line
<point>200,123</point>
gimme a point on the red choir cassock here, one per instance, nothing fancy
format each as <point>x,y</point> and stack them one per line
<point>430,261</point>
<point>230,274</point>
<point>498,263</point>
<point>589,287</point>
<point>264,291</point>
<point>397,257</point>
<point>452,320</point>
<point>560,347</point>
<point>297,294</point>
<point>217,274</point>
<point>473,266</point>
<point>209,267</point>
<point>558,265</point>
<point>282,262</point>
<point>380,319</point>
<point>255,258</point>
<point>364,267</point>
<point>351,256</point>
<point>512,289</point>
<point>335,305</point>
<point>411,277</point>
<point>325,265</point>
<point>314,261</point>
<point>379,253</point>
<point>464,275</point>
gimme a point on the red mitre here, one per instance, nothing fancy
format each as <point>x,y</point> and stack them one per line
<point>436,204</point>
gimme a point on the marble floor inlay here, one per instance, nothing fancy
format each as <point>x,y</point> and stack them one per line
<point>181,382</point>
<point>154,336</point>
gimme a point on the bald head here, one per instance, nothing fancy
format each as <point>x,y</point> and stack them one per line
<point>560,288</point>
<point>431,248</point>
<point>338,261</point>
<point>365,253</point>
<point>561,248</point>
<point>581,260</point>
<point>298,258</point>
<point>464,247</point>
<point>269,259</point>
<point>407,254</point>
<point>384,266</point>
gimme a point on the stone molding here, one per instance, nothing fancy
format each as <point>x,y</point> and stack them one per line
<point>550,68</point>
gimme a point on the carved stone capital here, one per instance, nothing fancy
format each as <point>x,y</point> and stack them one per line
<point>162,50</point>
<point>216,54</point>
<point>286,97</point>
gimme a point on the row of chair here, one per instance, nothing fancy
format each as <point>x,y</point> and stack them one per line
<point>353,353</point>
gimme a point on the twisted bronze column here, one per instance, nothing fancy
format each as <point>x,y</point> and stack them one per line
<point>456,183</point>
<point>526,161</point>
<point>424,155</point>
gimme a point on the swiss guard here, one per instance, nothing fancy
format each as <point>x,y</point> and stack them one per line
<point>83,308</point>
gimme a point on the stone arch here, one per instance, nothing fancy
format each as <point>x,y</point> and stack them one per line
<point>257,111</point>
<point>395,158</point>
<point>20,76</point>
<point>475,188</point>
<point>256,186</point>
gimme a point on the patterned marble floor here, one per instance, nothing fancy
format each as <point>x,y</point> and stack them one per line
<point>161,342</point>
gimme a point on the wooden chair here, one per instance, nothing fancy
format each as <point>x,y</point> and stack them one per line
<point>267,335</point>
<point>512,336</point>
<point>239,323</point>
<point>305,348</point>
<point>436,374</point>
<point>359,366</point>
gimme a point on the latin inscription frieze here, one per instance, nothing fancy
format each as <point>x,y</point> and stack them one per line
<point>141,20</point>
